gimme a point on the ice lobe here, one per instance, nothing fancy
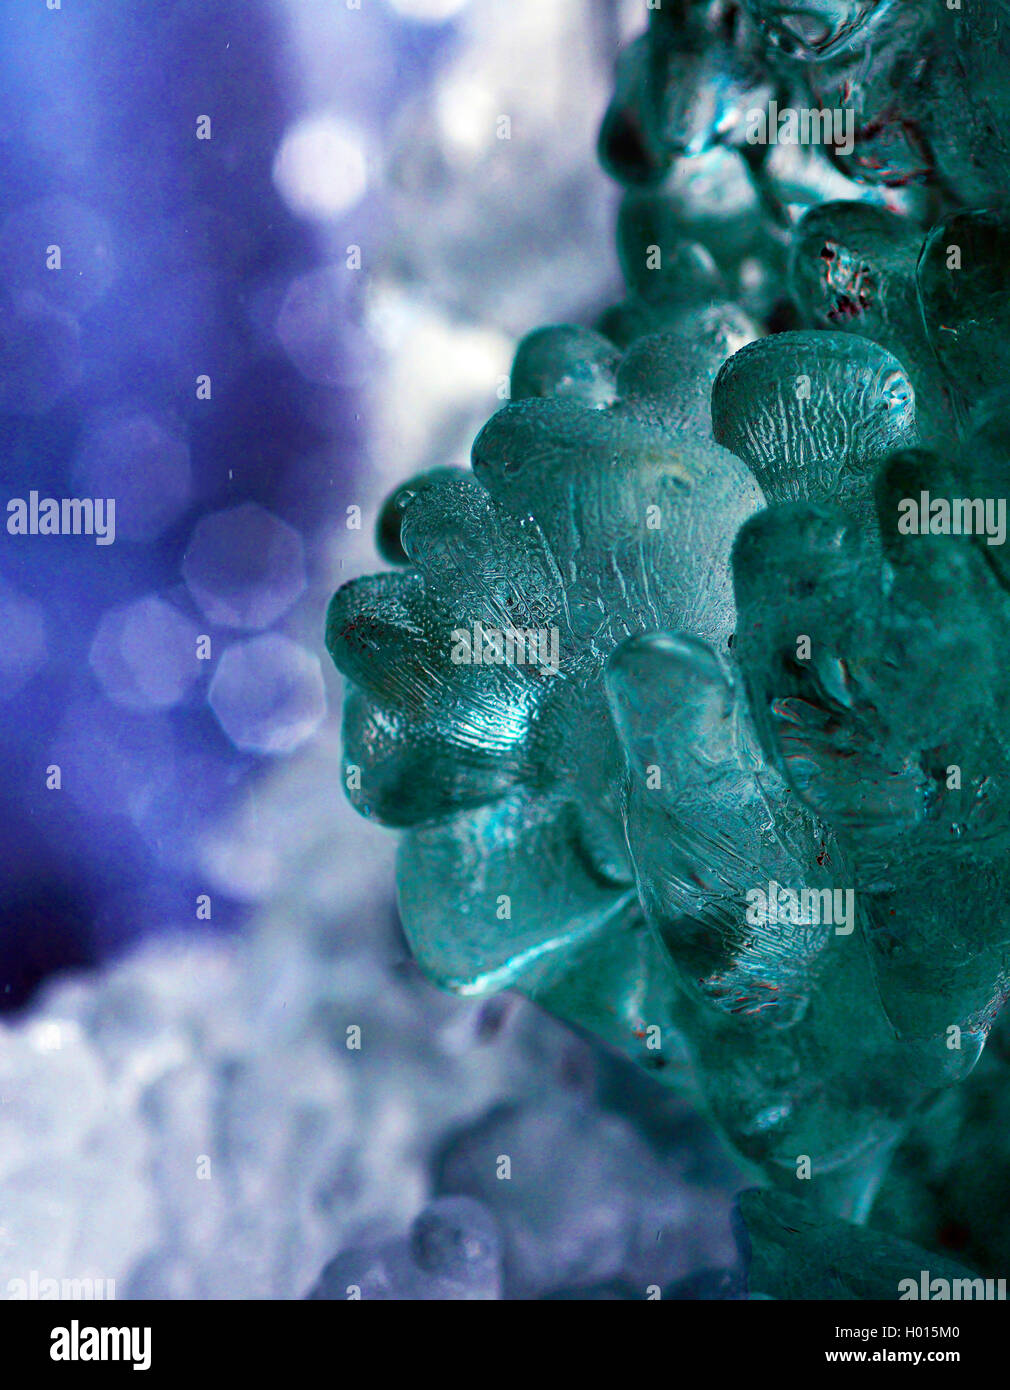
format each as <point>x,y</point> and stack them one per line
<point>814,414</point>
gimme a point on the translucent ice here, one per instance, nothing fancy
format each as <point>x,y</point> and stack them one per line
<point>814,414</point>
<point>964,293</point>
<point>613,517</point>
<point>803,386</point>
<point>226,1141</point>
<point>793,1253</point>
<point>853,269</point>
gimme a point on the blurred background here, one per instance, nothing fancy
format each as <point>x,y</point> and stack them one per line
<point>298,241</point>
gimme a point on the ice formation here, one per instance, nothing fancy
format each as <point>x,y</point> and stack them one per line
<point>687,698</point>
<point>265,1118</point>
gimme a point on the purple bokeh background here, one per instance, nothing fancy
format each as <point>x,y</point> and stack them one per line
<point>179,260</point>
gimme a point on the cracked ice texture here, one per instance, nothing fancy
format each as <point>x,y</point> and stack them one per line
<point>921,83</point>
<point>625,892</point>
<point>590,836</point>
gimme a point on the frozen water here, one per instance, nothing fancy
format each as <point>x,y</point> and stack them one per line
<point>200,1122</point>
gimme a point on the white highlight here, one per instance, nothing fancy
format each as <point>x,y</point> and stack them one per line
<point>429,11</point>
<point>321,169</point>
